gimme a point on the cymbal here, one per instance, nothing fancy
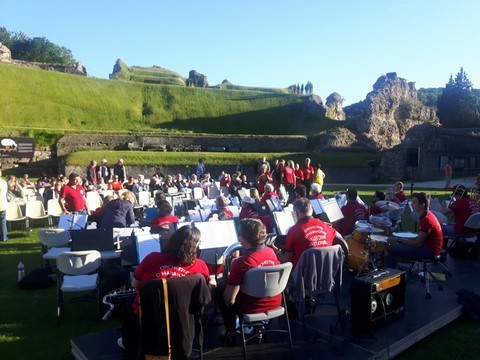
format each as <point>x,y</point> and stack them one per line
<point>387,204</point>
<point>369,229</point>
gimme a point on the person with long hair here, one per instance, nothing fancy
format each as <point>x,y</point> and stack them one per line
<point>177,259</point>
<point>119,213</point>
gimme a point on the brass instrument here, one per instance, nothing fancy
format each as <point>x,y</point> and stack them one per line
<point>228,258</point>
<point>115,295</point>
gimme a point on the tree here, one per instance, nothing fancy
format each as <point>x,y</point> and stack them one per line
<point>37,49</point>
<point>457,104</point>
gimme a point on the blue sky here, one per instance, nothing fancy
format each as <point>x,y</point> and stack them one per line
<point>340,46</point>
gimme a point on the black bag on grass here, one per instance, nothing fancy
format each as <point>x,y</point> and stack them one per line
<point>464,250</point>
<point>37,279</point>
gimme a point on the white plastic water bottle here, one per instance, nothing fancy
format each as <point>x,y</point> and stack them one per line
<point>21,271</point>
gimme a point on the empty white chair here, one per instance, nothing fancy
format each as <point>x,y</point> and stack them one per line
<point>34,210</point>
<point>14,214</point>
<point>144,198</point>
<point>198,193</point>
<point>77,272</point>
<point>53,242</point>
<point>54,210</point>
<point>94,201</point>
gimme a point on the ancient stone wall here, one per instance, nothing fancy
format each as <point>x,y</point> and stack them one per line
<point>76,142</point>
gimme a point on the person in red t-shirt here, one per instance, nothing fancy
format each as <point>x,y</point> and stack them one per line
<point>307,171</point>
<point>463,207</point>
<point>308,232</point>
<point>288,180</point>
<point>177,259</point>
<point>222,212</point>
<point>269,193</point>
<point>252,235</point>
<point>315,191</point>
<point>263,178</point>
<point>400,196</point>
<point>72,196</point>
<point>352,212</point>
<point>426,244</point>
<point>165,217</point>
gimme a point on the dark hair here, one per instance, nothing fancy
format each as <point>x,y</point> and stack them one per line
<point>73,176</point>
<point>253,231</point>
<point>183,244</point>
<point>164,207</point>
<point>380,194</point>
<point>352,194</point>
<point>301,191</point>
<point>422,198</point>
<point>460,190</point>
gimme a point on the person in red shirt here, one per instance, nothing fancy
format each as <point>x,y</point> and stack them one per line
<point>72,196</point>
<point>298,175</point>
<point>288,179</point>
<point>263,178</point>
<point>307,171</point>
<point>374,209</point>
<point>252,235</point>
<point>177,259</point>
<point>352,212</point>
<point>115,184</point>
<point>307,233</point>
<point>222,212</point>
<point>426,244</point>
<point>165,217</point>
<point>269,193</point>
<point>400,196</point>
<point>463,207</point>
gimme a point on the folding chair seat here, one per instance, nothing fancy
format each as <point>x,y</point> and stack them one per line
<point>261,282</point>
<point>78,273</point>
<point>53,242</point>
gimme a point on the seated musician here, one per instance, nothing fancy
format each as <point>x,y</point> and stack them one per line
<point>269,193</point>
<point>250,209</point>
<point>308,232</point>
<point>374,209</point>
<point>428,242</point>
<point>400,196</point>
<point>222,212</point>
<point>252,235</point>
<point>178,258</point>
<point>462,208</point>
<point>119,213</point>
<point>165,217</point>
<point>316,191</point>
<point>352,212</point>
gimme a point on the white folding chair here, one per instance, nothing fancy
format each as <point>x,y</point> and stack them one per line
<point>14,214</point>
<point>54,210</point>
<point>53,243</point>
<point>77,273</point>
<point>144,198</point>
<point>261,282</point>
<point>34,211</point>
<point>94,201</point>
<point>198,193</point>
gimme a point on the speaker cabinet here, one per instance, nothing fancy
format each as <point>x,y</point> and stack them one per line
<point>377,299</point>
<point>413,157</point>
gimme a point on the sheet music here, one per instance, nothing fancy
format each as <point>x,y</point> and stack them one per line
<point>332,209</point>
<point>72,222</point>
<point>317,207</point>
<point>216,234</point>
<point>284,221</point>
<point>146,244</point>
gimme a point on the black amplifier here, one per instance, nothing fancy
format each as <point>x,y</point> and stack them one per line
<point>377,298</point>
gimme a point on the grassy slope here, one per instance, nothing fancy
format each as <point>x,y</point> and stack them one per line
<point>50,100</point>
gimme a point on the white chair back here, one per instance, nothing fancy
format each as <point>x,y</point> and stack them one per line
<point>266,281</point>
<point>473,222</point>
<point>54,237</point>
<point>54,208</point>
<point>144,198</point>
<point>94,201</point>
<point>35,210</point>
<point>442,219</point>
<point>198,193</point>
<point>14,212</point>
<point>78,262</point>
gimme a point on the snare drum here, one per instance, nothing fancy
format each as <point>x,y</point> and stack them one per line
<point>360,237</point>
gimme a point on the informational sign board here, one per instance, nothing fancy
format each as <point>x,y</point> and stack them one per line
<point>17,147</point>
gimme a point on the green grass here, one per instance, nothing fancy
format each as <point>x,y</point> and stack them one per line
<point>57,102</point>
<point>28,326</point>
<point>329,159</point>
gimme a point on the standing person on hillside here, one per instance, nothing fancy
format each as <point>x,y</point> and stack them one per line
<point>307,171</point>
<point>120,171</point>
<point>201,169</point>
<point>318,176</point>
<point>448,175</point>
<point>3,208</point>
<point>103,171</point>
<point>92,173</point>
